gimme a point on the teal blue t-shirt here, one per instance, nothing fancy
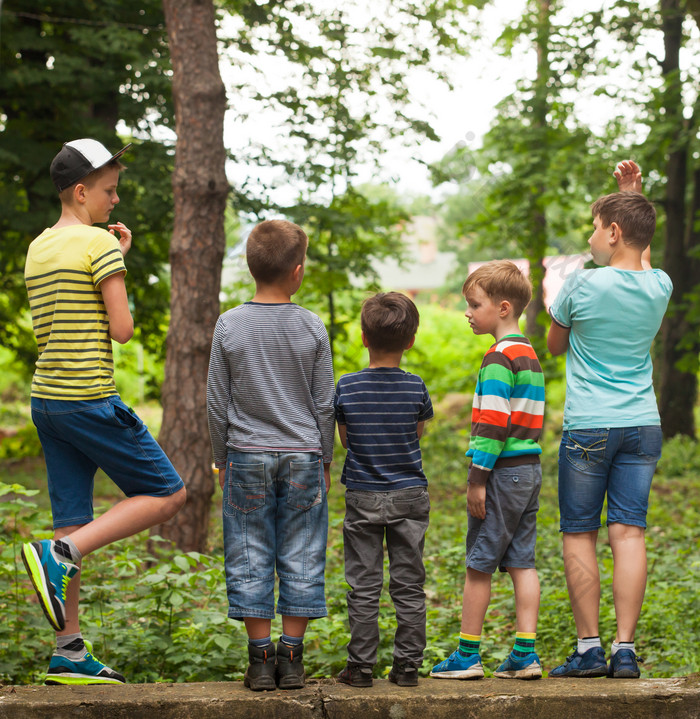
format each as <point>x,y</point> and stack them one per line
<point>614,316</point>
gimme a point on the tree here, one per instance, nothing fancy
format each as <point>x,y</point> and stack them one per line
<point>200,189</point>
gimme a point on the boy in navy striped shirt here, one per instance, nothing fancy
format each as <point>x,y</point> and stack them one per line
<point>381,412</point>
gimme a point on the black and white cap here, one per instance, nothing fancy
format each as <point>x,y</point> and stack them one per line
<point>79,158</point>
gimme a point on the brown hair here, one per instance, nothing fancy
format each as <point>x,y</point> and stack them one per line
<point>274,249</point>
<point>632,212</point>
<point>501,280</point>
<point>389,321</point>
<point>91,178</point>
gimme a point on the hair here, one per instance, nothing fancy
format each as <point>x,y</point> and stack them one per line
<point>274,249</point>
<point>91,178</point>
<point>501,280</point>
<point>389,321</point>
<point>632,212</point>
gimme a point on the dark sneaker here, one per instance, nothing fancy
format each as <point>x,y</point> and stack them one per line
<point>50,576</point>
<point>528,667</point>
<point>87,670</point>
<point>356,675</point>
<point>589,664</point>
<point>458,666</point>
<point>404,674</point>
<point>290,666</point>
<point>623,665</point>
<point>260,674</point>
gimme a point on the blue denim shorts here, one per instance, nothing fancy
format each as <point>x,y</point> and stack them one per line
<point>506,537</point>
<point>619,462</point>
<point>275,515</point>
<point>78,436</point>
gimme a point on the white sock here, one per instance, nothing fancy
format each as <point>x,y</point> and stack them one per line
<point>587,643</point>
<point>71,646</point>
<point>621,645</point>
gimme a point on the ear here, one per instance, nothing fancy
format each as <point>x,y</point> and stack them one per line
<point>504,308</point>
<point>80,193</point>
<point>296,272</point>
<point>364,340</point>
<point>615,233</point>
<point>410,344</point>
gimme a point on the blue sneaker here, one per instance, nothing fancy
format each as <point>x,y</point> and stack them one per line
<point>589,664</point>
<point>87,670</point>
<point>528,667</point>
<point>623,665</point>
<point>50,576</point>
<point>457,666</point>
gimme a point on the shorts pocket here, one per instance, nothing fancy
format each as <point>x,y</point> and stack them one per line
<point>246,486</point>
<point>124,416</point>
<point>650,442</point>
<point>585,448</point>
<point>304,485</point>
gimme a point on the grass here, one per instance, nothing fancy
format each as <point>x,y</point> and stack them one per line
<point>158,615</point>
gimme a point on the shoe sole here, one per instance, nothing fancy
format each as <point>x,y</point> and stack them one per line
<point>292,682</point>
<point>459,674</point>
<point>404,682</point>
<point>534,671</point>
<point>625,674</point>
<point>260,685</point>
<point>47,599</point>
<point>359,685</point>
<point>78,680</point>
<point>582,674</point>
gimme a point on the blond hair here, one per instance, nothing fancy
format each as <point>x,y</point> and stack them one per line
<point>501,280</point>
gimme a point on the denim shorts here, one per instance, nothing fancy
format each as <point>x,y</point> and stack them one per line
<point>78,436</point>
<point>275,515</point>
<point>506,537</point>
<point>620,462</point>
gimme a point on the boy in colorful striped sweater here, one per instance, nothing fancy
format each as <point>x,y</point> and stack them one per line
<point>504,476</point>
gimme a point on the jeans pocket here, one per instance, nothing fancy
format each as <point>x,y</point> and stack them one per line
<point>305,484</point>
<point>413,507</point>
<point>650,442</point>
<point>245,485</point>
<point>585,448</point>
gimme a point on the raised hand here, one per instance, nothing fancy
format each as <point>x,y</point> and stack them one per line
<point>124,235</point>
<point>628,176</point>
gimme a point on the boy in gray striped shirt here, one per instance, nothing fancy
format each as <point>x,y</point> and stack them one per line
<point>381,411</point>
<point>270,409</point>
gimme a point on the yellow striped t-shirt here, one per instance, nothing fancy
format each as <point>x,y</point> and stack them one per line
<point>63,271</point>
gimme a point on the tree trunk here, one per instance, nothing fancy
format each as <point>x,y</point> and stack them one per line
<point>678,389</point>
<point>200,189</point>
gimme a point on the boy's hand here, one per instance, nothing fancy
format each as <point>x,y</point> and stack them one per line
<point>222,478</point>
<point>628,176</point>
<point>476,500</point>
<point>124,236</point>
<point>327,476</point>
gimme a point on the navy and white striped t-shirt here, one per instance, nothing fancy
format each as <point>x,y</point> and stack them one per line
<point>381,408</point>
<point>270,384</point>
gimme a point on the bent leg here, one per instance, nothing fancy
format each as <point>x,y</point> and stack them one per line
<point>583,580</point>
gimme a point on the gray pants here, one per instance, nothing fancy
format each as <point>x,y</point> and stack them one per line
<point>403,515</point>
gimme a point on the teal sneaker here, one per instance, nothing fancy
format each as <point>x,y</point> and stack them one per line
<point>528,667</point>
<point>457,666</point>
<point>50,576</point>
<point>87,670</point>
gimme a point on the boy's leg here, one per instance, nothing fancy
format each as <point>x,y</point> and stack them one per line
<point>583,580</point>
<point>363,538</point>
<point>407,513</point>
<point>526,588</point>
<point>629,576</point>
<point>475,601</point>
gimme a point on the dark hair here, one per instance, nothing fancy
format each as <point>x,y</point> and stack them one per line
<point>501,280</point>
<point>632,212</point>
<point>389,321</point>
<point>275,248</point>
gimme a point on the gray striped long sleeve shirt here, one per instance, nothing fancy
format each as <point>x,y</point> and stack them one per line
<point>270,385</point>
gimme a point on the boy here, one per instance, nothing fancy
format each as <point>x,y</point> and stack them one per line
<point>75,281</point>
<point>270,409</point>
<point>504,476</point>
<point>606,319</point>
<point>381,412</point>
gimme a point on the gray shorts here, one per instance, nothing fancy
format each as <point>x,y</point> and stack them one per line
<point>506,537</point>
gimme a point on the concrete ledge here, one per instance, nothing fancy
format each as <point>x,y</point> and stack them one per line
<point>431,699</point>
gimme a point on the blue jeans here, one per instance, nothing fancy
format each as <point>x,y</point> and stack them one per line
<point>275,516</point>
<point>78,436</point>
<point>619,462</point>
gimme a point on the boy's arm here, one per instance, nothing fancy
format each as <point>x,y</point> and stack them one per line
<point>343,435</point>
<point>558,338</point>
<point>419,428</point>
<point>629,179</point>
<point>322,394</point>
<point>121,323</point>
<point>218,396</point>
